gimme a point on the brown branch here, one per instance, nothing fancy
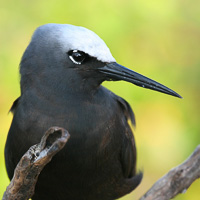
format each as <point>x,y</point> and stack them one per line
<point>177,180</point>
<point>31,164</point>
<point>22,185</point>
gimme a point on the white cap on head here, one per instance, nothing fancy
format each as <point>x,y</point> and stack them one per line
<point>71,37</point>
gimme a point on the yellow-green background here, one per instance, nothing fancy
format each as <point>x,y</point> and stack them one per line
<point>158,38</point>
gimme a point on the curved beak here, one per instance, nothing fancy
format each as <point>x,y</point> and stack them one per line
<point>115,72</point>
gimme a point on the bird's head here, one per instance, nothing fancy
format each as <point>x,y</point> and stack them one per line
<point>67,56</point>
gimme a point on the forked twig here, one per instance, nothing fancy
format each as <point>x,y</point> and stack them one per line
<point>26,173</point>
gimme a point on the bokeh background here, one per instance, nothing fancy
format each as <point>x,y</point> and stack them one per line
<point>160,39</point>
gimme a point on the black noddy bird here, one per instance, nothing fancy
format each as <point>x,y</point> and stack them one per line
<point>61,74</point>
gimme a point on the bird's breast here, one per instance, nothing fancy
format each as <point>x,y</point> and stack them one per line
<point>91,120</point>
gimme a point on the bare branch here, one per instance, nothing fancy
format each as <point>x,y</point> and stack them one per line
<point>177,180</point>
<point>22,185</point>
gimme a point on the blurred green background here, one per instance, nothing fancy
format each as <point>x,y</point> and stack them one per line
<point>160,39</point>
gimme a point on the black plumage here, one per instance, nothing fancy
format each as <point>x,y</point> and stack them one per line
<point>61,80</point>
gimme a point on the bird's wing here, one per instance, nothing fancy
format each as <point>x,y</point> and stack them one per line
<point>14,105</point>
<point>128,150</point>
<point>126,109</point>
<point>128,155</point>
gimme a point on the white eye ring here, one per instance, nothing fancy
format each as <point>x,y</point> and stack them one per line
<point>77,57</point>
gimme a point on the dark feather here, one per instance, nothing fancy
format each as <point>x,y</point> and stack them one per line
<point>128,112</point>
<point>14,105</point>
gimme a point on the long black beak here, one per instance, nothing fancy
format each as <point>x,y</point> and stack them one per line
<point>115,72</point>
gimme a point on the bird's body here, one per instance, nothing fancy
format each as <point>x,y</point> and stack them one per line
<point>59,88</point>
<point>95,146</point>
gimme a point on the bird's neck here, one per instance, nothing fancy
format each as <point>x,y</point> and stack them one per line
<point>60,92</point>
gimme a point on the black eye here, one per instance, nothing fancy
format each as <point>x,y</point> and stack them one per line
<point>77,56</point>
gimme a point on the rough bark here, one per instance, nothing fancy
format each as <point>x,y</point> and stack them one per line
<point>26,173</point>
<point>177,180</point>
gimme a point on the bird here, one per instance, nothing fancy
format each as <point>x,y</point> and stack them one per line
<point>61,72</point>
